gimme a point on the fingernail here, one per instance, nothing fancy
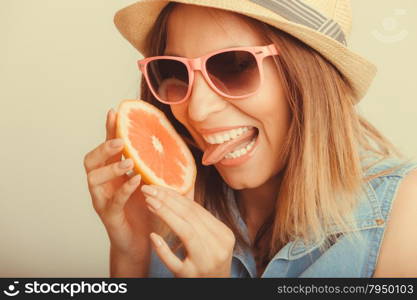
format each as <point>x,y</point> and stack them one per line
<point>110,112</point>
<point>151,208</point>
<point>135,179</point>
<point>116,143</point>
<point>126,163</point>
<point>155,204</point>
<point>156,239</point>
<point>149,190</point>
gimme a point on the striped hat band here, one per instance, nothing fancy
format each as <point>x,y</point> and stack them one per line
<point>298,12</point>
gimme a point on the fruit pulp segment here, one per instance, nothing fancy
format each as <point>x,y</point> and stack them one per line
<point>170,163</point>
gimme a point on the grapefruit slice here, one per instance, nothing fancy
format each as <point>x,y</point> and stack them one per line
<point>159,153</point>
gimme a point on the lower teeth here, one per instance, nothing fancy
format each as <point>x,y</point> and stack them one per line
<point>241,152</point>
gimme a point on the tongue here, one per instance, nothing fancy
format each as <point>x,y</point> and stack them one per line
<point>215,153</point>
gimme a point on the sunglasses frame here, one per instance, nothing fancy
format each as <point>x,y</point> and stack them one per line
<point>199,63</point>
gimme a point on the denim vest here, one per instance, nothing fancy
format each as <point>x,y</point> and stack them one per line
<point>343,258</point>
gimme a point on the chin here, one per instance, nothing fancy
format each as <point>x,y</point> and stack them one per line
<point>242,181</point>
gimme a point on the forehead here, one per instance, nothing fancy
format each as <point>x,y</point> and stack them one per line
<point>194,30</point>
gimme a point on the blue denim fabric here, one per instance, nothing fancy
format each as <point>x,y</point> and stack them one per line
<point>344,258</point>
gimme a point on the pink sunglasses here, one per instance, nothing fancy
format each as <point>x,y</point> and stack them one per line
<point>233,73</point>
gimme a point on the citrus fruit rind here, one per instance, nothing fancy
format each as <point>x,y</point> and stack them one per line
<point>159,153</point>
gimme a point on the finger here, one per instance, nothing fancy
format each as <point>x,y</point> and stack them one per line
<point>99,198</point>
<point>181,206</point>
<point>189,208</point>
<point>173,263</point>
<point>116,206</point>
<point>110,129</point>
<point>98,156</point>
<point>102,175</point>
<point>111,133</point>
<point>184,230</point>
<point>211,223</point>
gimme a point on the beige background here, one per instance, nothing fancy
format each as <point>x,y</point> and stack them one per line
<point>63,65</point>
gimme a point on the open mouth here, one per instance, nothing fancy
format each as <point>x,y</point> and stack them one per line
<point>243,147</point>
<point>242,153</point>
<point>232,149</point>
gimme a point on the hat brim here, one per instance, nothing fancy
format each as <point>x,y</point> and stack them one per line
<point>135,21</point>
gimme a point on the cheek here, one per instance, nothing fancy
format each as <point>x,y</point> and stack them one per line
<point>180,113</point>
<point>272,109</point>
<point>271,101</point>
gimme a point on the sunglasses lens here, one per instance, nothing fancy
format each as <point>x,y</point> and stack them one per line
<point>235,73</point>
<point>169,79</point>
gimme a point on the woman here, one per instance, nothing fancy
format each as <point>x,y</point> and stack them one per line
<point>312,191</point>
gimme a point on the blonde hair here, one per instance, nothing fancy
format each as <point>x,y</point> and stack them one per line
<point>322,177</point>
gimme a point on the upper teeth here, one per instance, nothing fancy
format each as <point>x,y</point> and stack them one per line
<point>219,138</point>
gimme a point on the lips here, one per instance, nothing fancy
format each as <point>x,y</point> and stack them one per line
<point>215,153</point>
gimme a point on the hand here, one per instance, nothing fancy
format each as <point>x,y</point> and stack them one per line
<point>116,197</point>
<point>209,243</point>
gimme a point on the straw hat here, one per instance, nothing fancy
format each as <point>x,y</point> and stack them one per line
<point>322,24</point>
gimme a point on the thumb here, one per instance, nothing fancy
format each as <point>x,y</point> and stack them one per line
<point>111,133</point>
<point>190,193</point>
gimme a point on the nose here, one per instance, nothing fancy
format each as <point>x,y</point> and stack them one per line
<point>203,100</point>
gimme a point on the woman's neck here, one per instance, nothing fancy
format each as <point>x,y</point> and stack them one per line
<point>258,203</point>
